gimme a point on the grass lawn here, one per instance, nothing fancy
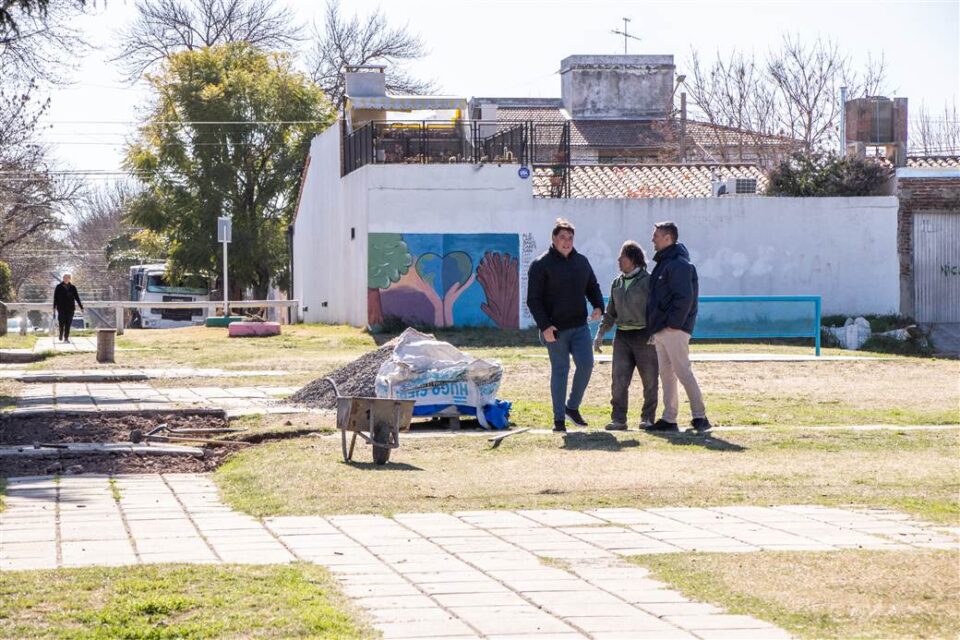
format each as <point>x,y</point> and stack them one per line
<point>898,390</point>
<point>837,594</point>
<point>13,340</point>
<point>915,471</point>
<point>175,601</point>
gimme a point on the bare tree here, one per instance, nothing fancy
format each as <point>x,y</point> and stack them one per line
<point>343,41</point>
<point>808,79</point>
<point>38,41</point>
<point>794,94</point>
<point>168,26</point>
<point>934,134</point>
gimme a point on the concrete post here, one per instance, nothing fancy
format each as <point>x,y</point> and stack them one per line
<point>119,321</point>
<point>106,343</point>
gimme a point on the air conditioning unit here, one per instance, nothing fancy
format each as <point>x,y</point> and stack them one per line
<point>740,187</point>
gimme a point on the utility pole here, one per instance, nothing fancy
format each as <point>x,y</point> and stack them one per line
<point>625,34</point>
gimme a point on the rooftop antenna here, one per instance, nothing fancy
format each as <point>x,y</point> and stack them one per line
<point>625,34</point>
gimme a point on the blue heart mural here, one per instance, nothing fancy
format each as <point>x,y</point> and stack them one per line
<point>453,268</point>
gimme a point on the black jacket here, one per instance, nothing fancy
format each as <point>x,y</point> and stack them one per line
<point>63,297</point>
<point>673,291</point>
<point>556,288</point>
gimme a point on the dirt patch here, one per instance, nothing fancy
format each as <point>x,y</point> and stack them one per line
<point>76,429</point>
<point>354,379</point>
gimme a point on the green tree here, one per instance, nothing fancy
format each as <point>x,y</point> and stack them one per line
<point>804,175</point>
<point>228,135</point>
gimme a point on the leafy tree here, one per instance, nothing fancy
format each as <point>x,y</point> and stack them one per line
<point>820,175</point>
<point>227,135</point>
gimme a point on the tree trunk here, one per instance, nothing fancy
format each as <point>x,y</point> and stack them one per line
<point>374,309</point>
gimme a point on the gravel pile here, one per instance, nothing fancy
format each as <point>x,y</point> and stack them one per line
<point>355,379</point>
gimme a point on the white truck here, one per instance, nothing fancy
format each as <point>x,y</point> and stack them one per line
<point>148,283</point>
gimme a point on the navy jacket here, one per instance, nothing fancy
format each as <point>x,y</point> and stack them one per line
<point>557,289</point>
<point>64,296</point>
<point>673,291</point>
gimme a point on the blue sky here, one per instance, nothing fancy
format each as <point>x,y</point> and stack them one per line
<point>513,48</point>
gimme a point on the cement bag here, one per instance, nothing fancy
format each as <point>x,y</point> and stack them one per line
<point>438,377</point>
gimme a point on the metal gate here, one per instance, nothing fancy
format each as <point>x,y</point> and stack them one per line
<point>936,266</point>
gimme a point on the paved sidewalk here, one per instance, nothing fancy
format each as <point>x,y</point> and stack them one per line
<point>79,344</point>
<point>129,375</point>
<point>44,398</point>
<point>463,575</point>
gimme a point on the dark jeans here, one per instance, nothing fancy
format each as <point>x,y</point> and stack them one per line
<point>65,316</point>
<point>578,343</point>
<point>631,351</point>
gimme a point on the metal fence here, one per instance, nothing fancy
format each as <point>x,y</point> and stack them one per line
<point>474,142</point>
<point>118,307</point>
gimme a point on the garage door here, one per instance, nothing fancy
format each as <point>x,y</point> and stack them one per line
<point>936,266</point>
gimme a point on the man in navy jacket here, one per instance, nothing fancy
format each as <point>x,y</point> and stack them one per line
<point>671,316</point>
<point>64,295</point>
<point>558,286</point>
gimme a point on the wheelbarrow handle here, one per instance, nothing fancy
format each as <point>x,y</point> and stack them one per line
<point>336,391</point>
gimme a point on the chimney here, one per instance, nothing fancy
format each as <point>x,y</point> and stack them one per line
<point>617,87</point>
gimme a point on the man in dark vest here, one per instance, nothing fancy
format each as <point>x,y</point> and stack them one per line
<point>63,298</point>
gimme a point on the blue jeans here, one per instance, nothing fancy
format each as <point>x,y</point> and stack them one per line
<point>578,343</point>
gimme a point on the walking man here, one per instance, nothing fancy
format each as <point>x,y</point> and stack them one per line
<point>627,309</point>
<point>64,296</point>
<point>671,315</point>
<point>558,286</point>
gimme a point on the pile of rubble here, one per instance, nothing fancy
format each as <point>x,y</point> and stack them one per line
<point>354,379</point>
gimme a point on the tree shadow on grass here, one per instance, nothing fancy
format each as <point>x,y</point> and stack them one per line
<point>693,439</point>
<point>596,441</point>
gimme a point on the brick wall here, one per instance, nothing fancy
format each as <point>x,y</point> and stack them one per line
<point>917,195</point>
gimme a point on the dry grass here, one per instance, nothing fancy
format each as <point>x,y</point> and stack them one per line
<point>914,470</point>
<point>845,594</point>
<point>9,390</point>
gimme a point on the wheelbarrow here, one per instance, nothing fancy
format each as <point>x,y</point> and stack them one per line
<point>377,420</point>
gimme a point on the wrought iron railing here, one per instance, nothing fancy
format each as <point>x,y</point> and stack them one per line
<point>473,142</point>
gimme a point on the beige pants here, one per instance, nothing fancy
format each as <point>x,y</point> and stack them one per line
<point>673,357</point>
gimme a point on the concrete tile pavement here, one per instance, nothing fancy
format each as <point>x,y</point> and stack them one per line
<point>478,574</point>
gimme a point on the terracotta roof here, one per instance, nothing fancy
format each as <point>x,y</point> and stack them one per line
<point>646,181</point>
<point>636,133</point>
<point>932,162</point>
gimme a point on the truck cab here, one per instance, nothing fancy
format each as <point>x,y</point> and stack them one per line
<point>149,283</point>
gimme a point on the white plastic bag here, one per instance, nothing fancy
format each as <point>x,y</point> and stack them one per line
<point>433,373</point>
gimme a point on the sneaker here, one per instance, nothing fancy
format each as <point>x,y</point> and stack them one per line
<point>646,424</point>
<point>575,417</point>
<point>701,425</point>
<point>663,425</point>
<point>559,426</point>
<point>616,426</point>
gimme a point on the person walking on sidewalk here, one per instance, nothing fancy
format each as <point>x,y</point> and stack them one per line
<point>558,285</point>
<point>632,350</point>
<point>671,315</point>
<point>64,296</point>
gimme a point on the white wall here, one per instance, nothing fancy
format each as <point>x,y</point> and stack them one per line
<point>843,249</point>
<point>329,268</point>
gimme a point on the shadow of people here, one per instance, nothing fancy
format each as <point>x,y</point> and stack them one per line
<point>596,441</point>
<point>691,438</point>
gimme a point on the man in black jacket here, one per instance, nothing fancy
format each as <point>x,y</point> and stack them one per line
<point>671,316</point>
<point>558,284</point>
<point>64,296</point>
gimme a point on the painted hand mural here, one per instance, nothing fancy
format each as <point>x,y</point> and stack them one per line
<point>439,289</point>
<point>499,275</point>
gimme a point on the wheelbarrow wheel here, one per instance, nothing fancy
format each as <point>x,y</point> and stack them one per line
<point>381,443</point>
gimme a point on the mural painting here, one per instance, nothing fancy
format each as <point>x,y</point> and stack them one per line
<point>444,280</point>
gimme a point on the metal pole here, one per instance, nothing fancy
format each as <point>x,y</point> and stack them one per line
<point>226,287</point>
<point>843,121</point>
<point>683,126</point>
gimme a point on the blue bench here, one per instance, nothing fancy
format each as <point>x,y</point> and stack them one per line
<point>749,317</point>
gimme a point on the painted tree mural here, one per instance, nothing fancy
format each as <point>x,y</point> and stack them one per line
<point>499,275</point>
<point>388,259</point>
